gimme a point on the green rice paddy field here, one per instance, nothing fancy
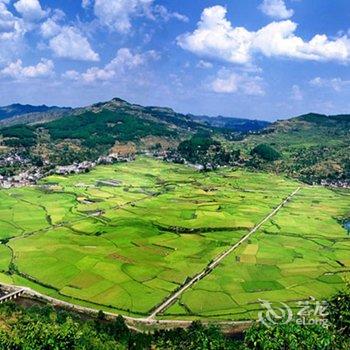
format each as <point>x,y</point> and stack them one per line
<point>124,237</point>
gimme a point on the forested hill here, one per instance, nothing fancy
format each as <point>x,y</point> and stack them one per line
<point>312,146</point>
<point>90,132</point>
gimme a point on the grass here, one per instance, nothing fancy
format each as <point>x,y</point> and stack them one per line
<point>125,248</point>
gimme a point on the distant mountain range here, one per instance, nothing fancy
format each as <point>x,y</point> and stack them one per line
<point>313,147</point>
<point>18,113</point>
<point>28,114</point>
<point>237,124</point>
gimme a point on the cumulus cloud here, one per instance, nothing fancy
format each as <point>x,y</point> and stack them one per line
<point>117,15</point>
<point>30,9</point>
<point>337,84</point>
<point>16,70</point>
<point>124,61</point>
<point>276,9</point>
<point>11,27</point>
<point>216,37</point>
<point>50,28</point>
<point>71,75</point>
<point>66,41</point>
<point>12,31</point>
<point>70,43</point>
<point>228,82</point>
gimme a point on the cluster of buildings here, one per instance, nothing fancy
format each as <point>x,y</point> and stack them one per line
<point>34,173</point>
<point>75,168</point>
<point>175,157</point>
<point>86,166</point>
<point>13,160</point>
<point>16,161</point>
<point>26,178</point>
<point>336,183</point>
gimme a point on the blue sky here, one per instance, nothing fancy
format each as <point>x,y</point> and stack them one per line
<point>264,59</point>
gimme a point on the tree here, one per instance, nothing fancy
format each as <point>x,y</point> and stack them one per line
<point>291,336</point>
<point>266,152</point>
<point>339,311</point>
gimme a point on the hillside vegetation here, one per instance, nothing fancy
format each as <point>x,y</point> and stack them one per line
<point>91,132</point>
<point>313,147</point>
<point>44,328</point>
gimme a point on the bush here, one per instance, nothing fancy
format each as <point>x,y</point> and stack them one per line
<point>339,311</point>
<point>291,336</point>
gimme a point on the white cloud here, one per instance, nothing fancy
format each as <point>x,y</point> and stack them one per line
<point>11,27</point>
<point>204,64</point>
<point>276,9</point>
<point>227,82</point>
<point>124,61</point>
<point>30,9</point>
<point>16,70</point>
<point>336,84</point>
<point>97,74</point>
<point>71,75</point>
<point>66,41</point>
<point>297,94</point>
<point>70,43</point>
<point>50,28</point>
<point>12,31</point>
<point>216,37</point>
<point>166,15</point>
<point>117,14</point>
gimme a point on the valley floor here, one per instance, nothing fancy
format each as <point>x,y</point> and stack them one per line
<point>125,237</point>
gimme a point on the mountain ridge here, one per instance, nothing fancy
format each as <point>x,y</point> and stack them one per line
<point>29,114</point>
<point>311,147</point>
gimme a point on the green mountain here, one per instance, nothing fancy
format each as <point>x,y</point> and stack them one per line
<point>313,147</point>
<point>90,132</point>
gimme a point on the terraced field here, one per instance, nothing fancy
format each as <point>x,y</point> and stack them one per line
<point>124,237</point>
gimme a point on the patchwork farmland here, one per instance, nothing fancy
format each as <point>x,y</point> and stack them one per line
<point>125,237</point>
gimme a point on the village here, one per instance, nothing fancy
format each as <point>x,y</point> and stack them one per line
<point>32,174</point>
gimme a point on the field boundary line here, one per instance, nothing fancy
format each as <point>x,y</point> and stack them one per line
<point>212,265</point>
<point>131,322</point>
<point>150,320</point>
